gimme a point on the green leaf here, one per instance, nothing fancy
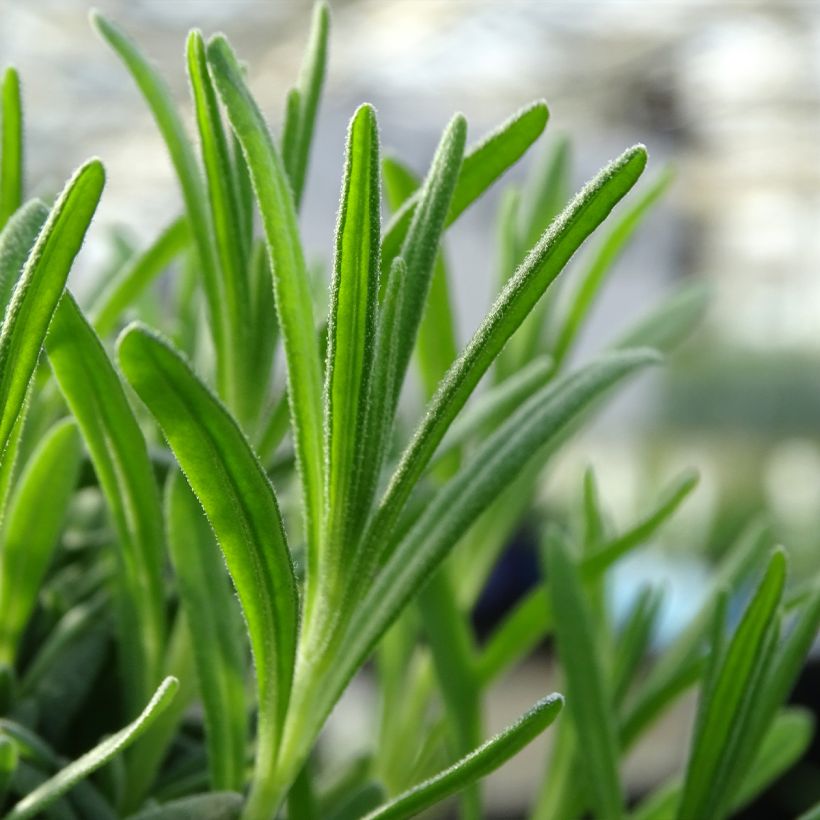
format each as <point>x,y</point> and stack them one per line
<point>681,664</point>
<point>668,324</point>
<point>40,287</point>
<point>483,164</point>
<point>9,758</point>
<point>210,806</point>
<point>16,241</point>
<point>522,437</point>
<point>351,329</point>
<point>671,499</point>
<point>492,407</point>
<point>543,264</point>
<point>294,303</point>
<point>159,99</point>
<point>436,347</point>
<point>11,147</point>
<point>479,763</point>
<point>226,218</point>
<point>633,640</point>
<point>35,802</point>
<point>32,529</point>
<point>303,102</point>
<point>125,288</point>
<point>208,603</point>
<point>725,701</point>
<point>421,243</point>
<point>240,504</point>
<point>97,400</point>
<point>590,701</point>
<point>781,748</point>
<point>601,265</point>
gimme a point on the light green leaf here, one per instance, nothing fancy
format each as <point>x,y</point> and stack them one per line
<point>600,266</point>
<point>208,603</point>
<point>238,499</point>
<point>16,241</point>
<point>127,285</point>
<point>479,763</point>
<point>726,699</point>
<point>32,529</point>
<point>294,304</point>
<point>159,99</point>
<point>421,243</point>
<point>303,102</point>
<point>483,164</point>
<point>95,396</point>
<point>543,264</point>
<point>35,802</point>
<point>351,330</point>
<point>40,287</point>
<point>11,147</point>
<point>590,701</point>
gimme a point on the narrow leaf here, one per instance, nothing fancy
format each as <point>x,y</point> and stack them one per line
<point>129,283</point>
<point>479,763</point>
<point>239,502</point>
<point>35,802</point>
<point>723,701</point>
<point>587,694</point>
<point>32,529</point>
<point>209,606</point>
<point>16,241</point>
<point>300,119</point>
<point>291,283</point>
<point>483,164</point>
<point>351,330</point>
<point>40,287</point>
<point>544,263</point>
<point>11,147</point>
<point>210,806</point>
<point>95,396</point>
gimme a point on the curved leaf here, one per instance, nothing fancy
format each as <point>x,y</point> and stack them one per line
<point>525,288</point>
<point>32,529</point>
<point>32,804</point>
<point>294,304</point>
<point>240,504</point>
<point>209,606</point>
<point>16,241</point>
<point>95,396</point>
<point>479,763</point>
<point>40,287</point>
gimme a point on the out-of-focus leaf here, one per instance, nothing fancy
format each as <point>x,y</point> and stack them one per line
<point>11,147</point>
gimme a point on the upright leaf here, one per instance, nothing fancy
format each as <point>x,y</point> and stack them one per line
<point>238,499</point>
<point>95,396</point>
<point>726,699</point>
<point>351,330</point>
<point>158,97</point>
<point>590,703</point>
<point>32,530</point>
<point>300,115</point>
<point>11,147</point>
<point>483,164</point>
<point>525,288</point>
<point>211,616</point>
<point>294,304</point>
<point>16,241</point>
<point>40,287</point>
<point>125,287</point>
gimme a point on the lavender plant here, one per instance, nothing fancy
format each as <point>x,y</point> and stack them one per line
<point>142,485</point>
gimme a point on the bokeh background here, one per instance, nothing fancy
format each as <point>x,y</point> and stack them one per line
<point>728,93</point>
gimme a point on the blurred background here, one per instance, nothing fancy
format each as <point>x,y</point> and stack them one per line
<point>728,93</point>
